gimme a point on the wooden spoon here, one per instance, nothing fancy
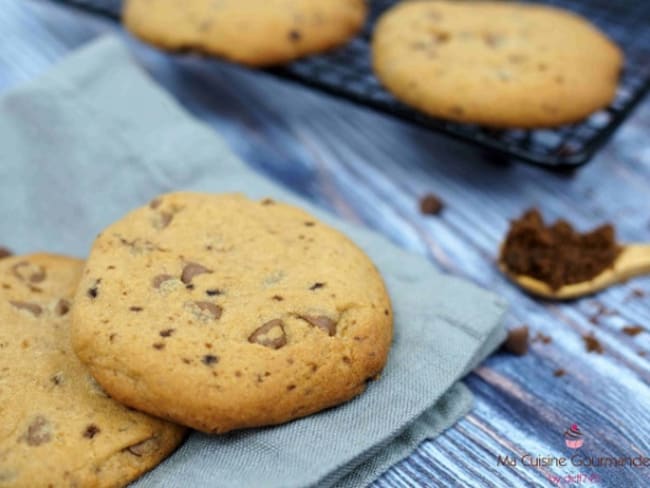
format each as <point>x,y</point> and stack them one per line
<point>634,260</point>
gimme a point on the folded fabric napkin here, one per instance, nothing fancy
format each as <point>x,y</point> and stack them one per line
<point>95,137</point>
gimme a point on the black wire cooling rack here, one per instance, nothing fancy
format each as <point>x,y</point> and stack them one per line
<point>347,73</point>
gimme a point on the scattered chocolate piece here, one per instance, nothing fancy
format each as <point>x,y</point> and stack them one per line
<point>160,279</point>
<point>32,308</point>
<point>91,431</point>
<point>211,308</point>
<point>277,298</point>
<point>209,359</point>
<point>294,35</point>
<point>310,224</point>
<point>638,293</point>
<point>559,373</point>
<point>136,309</point>
<point>62,307</point>
<point>316,286</point>
<point>517,341</point>
<point>557,254</point>
<point>38,431</point>
<point>431,204</point>
<point>155,203</point>
<point>322,322</point>
<point>592,344</point>
<point>213,293</point>
<point>271,334</point>
<point>191,270</point>
<point>57,379</point>
<point>5,253</point>
<point>167,332</point>
<point>267,201</point>
<point>633,330</point>
<point>158,345</point>
<point>544,339</point>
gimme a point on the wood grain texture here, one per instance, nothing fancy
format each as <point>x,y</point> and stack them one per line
<point>371,170</point>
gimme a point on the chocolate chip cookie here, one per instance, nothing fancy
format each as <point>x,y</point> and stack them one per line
<point>59,428</point>
<point>220,313</point>
<point>252,32</point>
<point>501,64</point>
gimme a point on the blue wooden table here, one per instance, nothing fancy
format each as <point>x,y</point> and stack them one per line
<point>371,169</point>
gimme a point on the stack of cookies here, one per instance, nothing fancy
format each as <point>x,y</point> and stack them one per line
<point>214,312</point>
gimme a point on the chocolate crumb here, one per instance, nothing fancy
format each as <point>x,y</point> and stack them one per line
<point>158,345</point>
<point>267,201</point>
<point>155,203</point>
<point>295,35</point>
<point>310,224</point>
<point>135,309</point>
<point>209,359</point>
<point>633,330</point>
<point>544,339</point>
<point>316,286</point>
<point>214,292</point>
<point>430,204</point>
<point>167,332</point>
<point>559,373</point>
<point>557,254</point>
<point>5,253</point>
<point>517,341</point>
<point>91,431</point>
<point>592,344</point>
<point>277,298</point>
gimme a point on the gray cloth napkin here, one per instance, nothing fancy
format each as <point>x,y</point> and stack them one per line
<point>95,137</point>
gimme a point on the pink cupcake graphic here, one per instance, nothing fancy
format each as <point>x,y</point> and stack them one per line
<point>573,437</point>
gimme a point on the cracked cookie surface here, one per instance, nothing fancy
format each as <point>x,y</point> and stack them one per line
<point>220,312</point>
<point>59,428</point>
<point>501,64</point>
<point>252,32</point>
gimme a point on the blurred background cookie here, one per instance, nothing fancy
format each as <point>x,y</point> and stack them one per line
<point>501,64</point>
<point>58,426</point>
<point>252,32</point>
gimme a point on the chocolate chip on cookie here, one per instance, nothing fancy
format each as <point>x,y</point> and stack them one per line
<point>235,307</point>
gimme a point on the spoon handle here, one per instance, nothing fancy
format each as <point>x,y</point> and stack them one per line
<point>634,260</point>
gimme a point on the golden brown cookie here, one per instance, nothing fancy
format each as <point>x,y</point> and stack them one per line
<point>219,312</point>
<point>58,426</point>
<point>501,64</point>
<point>252,32</point>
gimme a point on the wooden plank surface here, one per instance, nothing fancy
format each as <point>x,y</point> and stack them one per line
<point>371,169</point>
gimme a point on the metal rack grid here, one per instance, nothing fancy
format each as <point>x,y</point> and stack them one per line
<point>347,73</point>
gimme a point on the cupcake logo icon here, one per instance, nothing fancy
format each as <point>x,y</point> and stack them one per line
<point>573,437</point>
